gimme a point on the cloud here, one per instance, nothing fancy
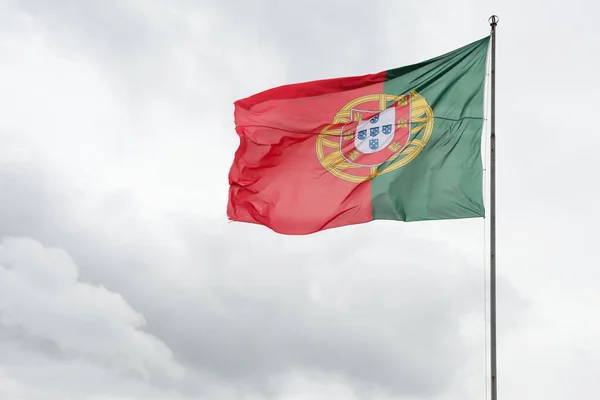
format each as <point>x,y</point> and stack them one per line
<point>346,309</point>
<point>326,307</point>
<point>41,299</point>
<point>147,121</point>
<point>116,140</point>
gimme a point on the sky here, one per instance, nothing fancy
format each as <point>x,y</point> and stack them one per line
<point>121,277</point>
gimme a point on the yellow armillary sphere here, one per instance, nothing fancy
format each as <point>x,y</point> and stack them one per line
<point>375,134</point>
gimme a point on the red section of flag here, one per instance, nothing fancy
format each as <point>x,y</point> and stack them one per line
<point>276,178</point>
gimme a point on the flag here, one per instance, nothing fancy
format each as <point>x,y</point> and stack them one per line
<point>403,144</point>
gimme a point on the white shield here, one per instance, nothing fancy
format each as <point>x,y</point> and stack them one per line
<point>376,133</point>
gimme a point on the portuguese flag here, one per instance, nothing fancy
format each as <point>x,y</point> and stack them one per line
<point>403,144</point>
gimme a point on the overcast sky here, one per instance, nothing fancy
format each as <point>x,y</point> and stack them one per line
<point>121,278</point>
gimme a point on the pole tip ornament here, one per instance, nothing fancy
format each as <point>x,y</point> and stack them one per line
<point>494,20</point>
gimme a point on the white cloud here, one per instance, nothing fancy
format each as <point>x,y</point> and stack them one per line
<point>41,297</point>
<point>146,119</point>
<point>117,135</point>
<point>9,388</point>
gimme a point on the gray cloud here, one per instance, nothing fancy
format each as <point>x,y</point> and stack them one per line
<point>43,307</point>
<point>323,305</point>
<point>117,139</point>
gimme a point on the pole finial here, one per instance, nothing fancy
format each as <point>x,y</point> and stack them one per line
<point>493,20</point>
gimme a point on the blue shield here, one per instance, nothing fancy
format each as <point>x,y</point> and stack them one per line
<point>373,144</point>
<point>374,131</point>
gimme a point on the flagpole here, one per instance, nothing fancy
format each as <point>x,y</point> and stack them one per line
<point>493,22</point>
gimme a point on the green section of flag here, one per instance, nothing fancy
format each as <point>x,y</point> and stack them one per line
<point>444,181</point>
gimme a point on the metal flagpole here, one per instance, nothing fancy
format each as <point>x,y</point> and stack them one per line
<point>493,22</point>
